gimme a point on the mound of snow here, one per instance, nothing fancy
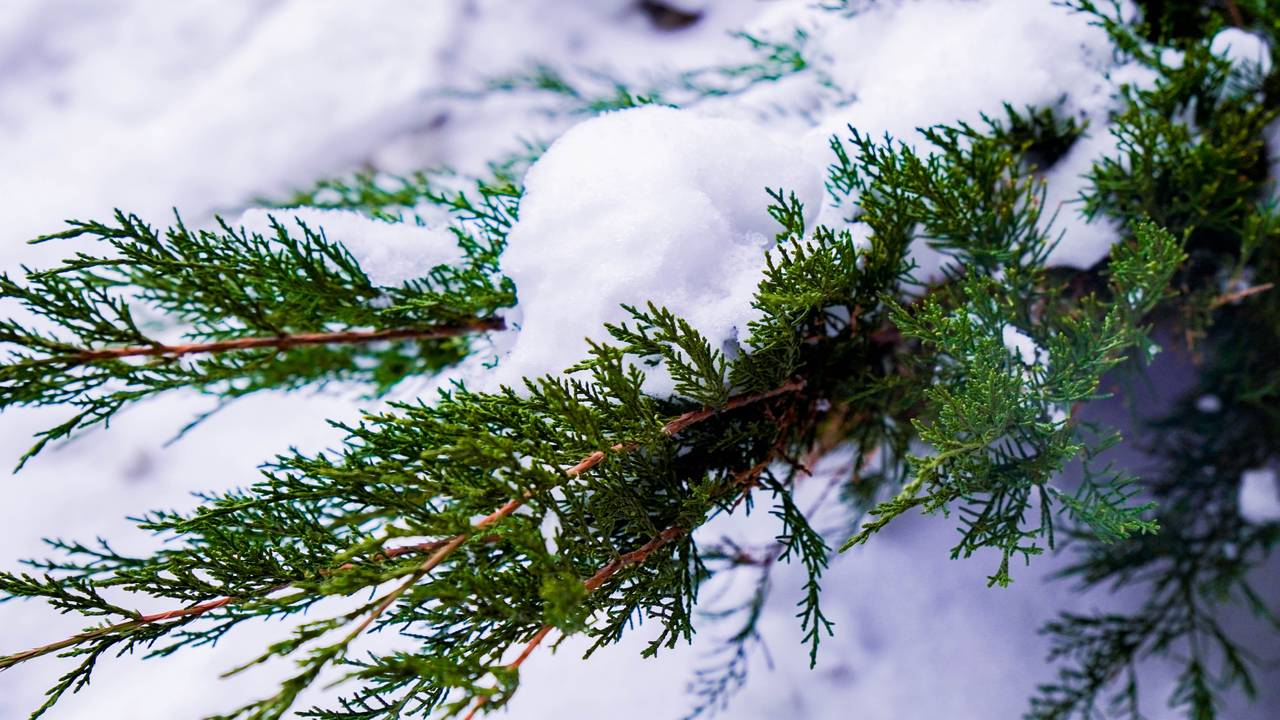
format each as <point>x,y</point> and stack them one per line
<point>1259,496</point>
<point>645,204</point>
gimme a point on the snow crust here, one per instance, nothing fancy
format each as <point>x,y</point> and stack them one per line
<point>1259,496</point>
<point>391,253</point>
<point>653,204</point>
<point>978,56</point>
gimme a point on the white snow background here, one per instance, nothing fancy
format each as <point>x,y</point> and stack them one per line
<point>205,105</point>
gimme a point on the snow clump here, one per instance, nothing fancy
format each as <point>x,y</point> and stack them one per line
<point>1259,496</point>
<point>647,204</point>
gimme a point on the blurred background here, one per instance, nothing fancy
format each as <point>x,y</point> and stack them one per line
<point>207,106</point>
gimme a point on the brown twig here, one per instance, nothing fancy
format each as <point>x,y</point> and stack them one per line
<point>732,403</point>
<point>1233,12</point>
<point>10,660</point>
<point>1239,295</point>
<point>283,342</point>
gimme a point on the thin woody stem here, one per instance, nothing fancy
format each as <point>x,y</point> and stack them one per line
<point>1234,14</point>
<point>200,608</point>
<point>10,660</point>
<point>283,342</point>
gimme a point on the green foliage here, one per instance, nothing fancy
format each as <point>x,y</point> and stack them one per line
<point>996,421</point>
<point>223,285</point>
<point>966,389</point>
<point>1192,155</point>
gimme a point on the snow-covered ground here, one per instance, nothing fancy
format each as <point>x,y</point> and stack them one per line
<point>205,105</point>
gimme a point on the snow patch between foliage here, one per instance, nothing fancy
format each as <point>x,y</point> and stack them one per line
<point>1245,51</point>
<point>1259,496</point>
<point>649,204</point>
<point>389,253</point>
<point>1021,345</point>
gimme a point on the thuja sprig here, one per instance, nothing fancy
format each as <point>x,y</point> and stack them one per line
<point>997,422</point>
<point>255,312</point>
<point>995,418</point>
<point>1191,151</point>
<point>326,526</point>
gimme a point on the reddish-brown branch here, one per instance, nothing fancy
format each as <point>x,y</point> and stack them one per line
<point>1239,295</point>
<point>193,610</point>
<point>198,609</point>
<point>284,342</point>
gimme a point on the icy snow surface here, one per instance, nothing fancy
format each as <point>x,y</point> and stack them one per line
<point>206,105</point>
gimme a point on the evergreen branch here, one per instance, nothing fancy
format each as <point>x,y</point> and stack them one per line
<point>8,661</point>
<point>671,428</point>
<point>744,480</point>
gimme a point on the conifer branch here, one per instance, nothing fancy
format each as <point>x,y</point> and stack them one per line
<point>297,308</point>
<point>1238,295</point>
<point>8,661</point>
<point>440,549</point>
<point>671,428</point>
